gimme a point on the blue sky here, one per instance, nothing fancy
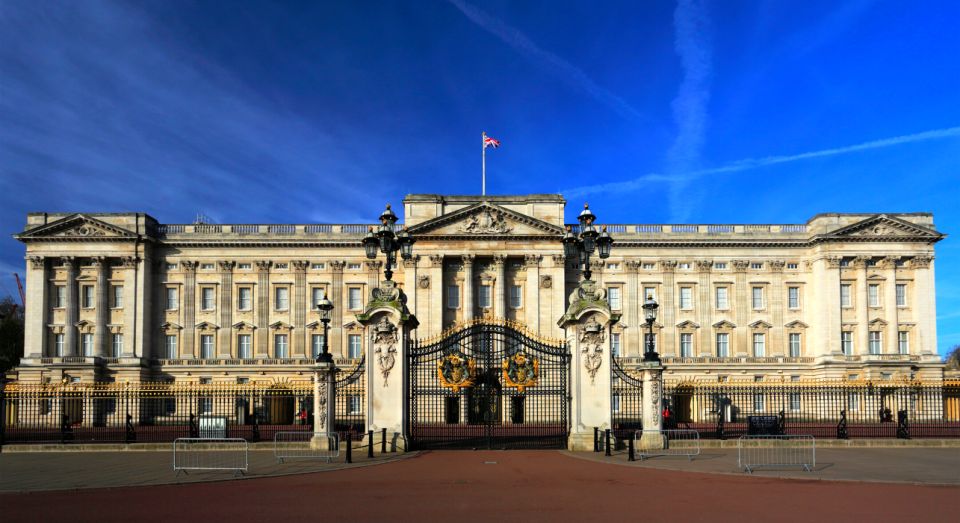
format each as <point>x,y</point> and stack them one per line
<point>301,112</point>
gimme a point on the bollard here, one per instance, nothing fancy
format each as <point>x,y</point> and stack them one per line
<point>370,444</point>
<point>383,441</point>
<point>349,447</point>
<point>596,439</point>
<point>606,441</point>
<point>630,455</point>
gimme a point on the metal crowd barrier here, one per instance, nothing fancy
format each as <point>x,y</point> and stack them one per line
<point>306,445</point>
<point>776,451</point>
<point>676,442</point>
<point>211,454</point>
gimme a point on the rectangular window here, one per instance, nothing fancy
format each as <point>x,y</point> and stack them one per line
<point>722,301</point>
<point>206,298</point>
<point>245,298</point>
<point>117,296</point>
<point>282,266</point>
<point>756,265</point>
<point>244,266</point>
<point>723,345</point>
<point>353,266</point>
<point>282,298</point>
<point>684,265</point>
<point>87,343</point>
<point>649,341</point>
<point>317,294</point>
<point>903,342</point>
<point>759,345</point>
<point>353,347</point>
<point>117,346</point>
<point>317,266</point>
<point>720,265</point>
<point>516,296</point>
<point>649,266</point>
<point>793,297</point>
<point>649,292</point>
<point>245,346</point>
<point>845,295</point>
<point>206,346</point>
<point>316,344</point>
<point>759,402</point>
<point>874,338</point>
<point>58,346</point>
<point>795,396</point>
<point>901,295</point>
<point>172,301</point>
<point>615,402</point>
<point>171,346</point>
<point>87,296</point>
<point>846,343</point>
<point>793,266</point>
<point>453,297</point>
<point>615,344</point>
<point>686,297</point>
<point>686,345</point>
<point>355,298</point>
<point>794,344</point>
<point>853,401</point>
<point>60,296</point>
<point>483,297</point>
<point>280,346</point>
<point>757,297</point>
<point>354,404</point>
<point>613,298</point>
<point>873,295</point>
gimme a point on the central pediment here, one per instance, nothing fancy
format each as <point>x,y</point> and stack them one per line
<point>77,227</point>
<point>485,219</point>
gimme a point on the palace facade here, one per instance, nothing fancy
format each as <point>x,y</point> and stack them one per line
<point>123,297</point>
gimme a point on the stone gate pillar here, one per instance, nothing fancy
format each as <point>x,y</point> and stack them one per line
<point>587,324</point>
<point>324,403</point>
<point>387,324</point>
<point>652,438</point>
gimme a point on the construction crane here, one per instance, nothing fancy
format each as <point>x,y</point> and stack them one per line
<point>23,299</point>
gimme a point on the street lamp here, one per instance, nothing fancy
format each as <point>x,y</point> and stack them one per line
<point>581,247</point>
<point>650,313</point>
<point>388,242</point>
<point>325,306</point>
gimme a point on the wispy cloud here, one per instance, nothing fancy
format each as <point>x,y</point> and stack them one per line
<point>548,61</point>
<point>691,44</point>
<point>755,163</point>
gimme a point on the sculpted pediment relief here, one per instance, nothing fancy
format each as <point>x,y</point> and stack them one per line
<point>485,219</point>
<point>77,227</point>
<point>883,226</point>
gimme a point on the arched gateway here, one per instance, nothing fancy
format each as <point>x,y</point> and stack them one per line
<point>488,384</point>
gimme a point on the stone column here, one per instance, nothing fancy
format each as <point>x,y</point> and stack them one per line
<point>324,404</point>
<point>499,298</point>
<point>410,281</point>
<point>532,291</point>
<point>777,304</point>
<point>101,333</point>
<point>667,345</point>
<point>633,304</point>
<point>373,274</point>
<point>860,342</point>
<point>741,302</point>
<point>226,308</point>
<point>925,306</point>
<point>130,306</point>
<point>263,308</point>
<point>300,307</point>
<point>336,296</point>
<point>144,296</point>
<point>890,311</point>
<point>705,307</point>
<point>189,306</point>
<point>652,438</point>
<point>437,306</point>
<point>827,316</point>
<point>73,308</point>
<point>556,292</point>
<point>468,287</point>
<point>35,320</point>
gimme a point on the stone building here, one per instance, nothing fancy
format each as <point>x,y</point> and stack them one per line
<point>125,297</point>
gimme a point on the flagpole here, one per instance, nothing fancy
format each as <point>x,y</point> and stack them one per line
<point>483,147</point>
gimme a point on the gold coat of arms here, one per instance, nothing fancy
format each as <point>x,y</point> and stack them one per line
<point>521,371</point>
<point>456,371</point>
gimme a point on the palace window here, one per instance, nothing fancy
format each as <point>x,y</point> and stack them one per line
<point>613,298</point>
<point>759,344</point>
<point>873,295</point>
<point>244,266</point>
<point>317,266</point>
<point>853,401</point>
<point>172,301</point>
<point>686,345</point>
<point>316,344</point>
<point>354,404</point>
<point>280,346</point>
<point>686,298</point>
<point>206,298</point>
<point>793,266</point>
<point>723,345</point>
<point>317,294</point>
<point>244,346</point>
<point>117,296</point>
<point>901,295</point>
<point>116,348</point>
<point>59,296</point>
<point>170,344</point>
<point>649,292</point>
<point>516,296</point>
<point>793,297</point>
<point>282,298</point>
<point>684,265</point>
<point>87,344</point>
<point>794,396</point>
<point>649,266</point>
<point>245,298</point>
<point>86,295</point>
<point>206,266</point>
<point>903,342</point>
<point>722,301</point>
<point>58,346</point>
<point>757,297</point>
<point>206,346</point>
<point>846,343</point>
<point>353,346</point>
<point>483,297</point>
<point>353,266</point>
<point>453,297</point>
<point>873,337</point>
<point>281,266</point>
<point>615,344</point>
<point>756,265</point>
<point>171,266</point>
<point>354,297</point>
<point>649,339</point>
<point>845,295</point>
<point>615,402</point>
<point>794,344</point>
<point>720,265</point>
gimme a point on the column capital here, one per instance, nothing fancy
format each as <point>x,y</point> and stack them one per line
<point>37,262</point>
<point>859,262</point>
<point>226,265</point>
<point>337,265</point>
<point>833,262</point>
<point>468,259</point>
<point>374,265</point>
<point>634,265</point>
<point>263,265</point>
<point>559,260</point>
<point>671,265</point>
<point>499,259</point>
<point>188,266</point>
<point>99,262</point>
<point>300,265</point>
<point>921,262</point>
<point>532,260</point>
<point>888,262</point>
<point>436,260</point>
<point>69,261</point>
<point>704,265</point>
<point>129,262</point>
<point>777,265</point>
<point>412,262</point>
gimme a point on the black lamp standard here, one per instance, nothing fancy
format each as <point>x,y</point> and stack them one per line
<point>650,313</point>
<point>582,246</point>
<point>325,306</point>
<point>388,242</point>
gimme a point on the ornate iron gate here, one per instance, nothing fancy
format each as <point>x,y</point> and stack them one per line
<point>626,401</point>
<point>488,384</point>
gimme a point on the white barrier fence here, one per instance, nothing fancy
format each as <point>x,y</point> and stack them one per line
<point>210,454</point>
<point>675,442</point>
<point>306,445</point>
<point>776,452</point>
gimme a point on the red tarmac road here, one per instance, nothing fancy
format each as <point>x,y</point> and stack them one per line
<point>491,486</point>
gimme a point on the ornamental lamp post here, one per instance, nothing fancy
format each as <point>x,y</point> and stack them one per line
<point>325,306</point>
<point>650,313</point>
<point>589,240</point>
<point>388,242</point>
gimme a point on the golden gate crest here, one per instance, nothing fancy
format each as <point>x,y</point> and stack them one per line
<point>521,371</point>
<point>456,371</point>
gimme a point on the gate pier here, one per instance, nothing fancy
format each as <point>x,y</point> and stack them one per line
<point>324,404</point>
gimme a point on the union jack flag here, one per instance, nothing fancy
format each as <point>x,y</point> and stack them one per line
<point>490,142</point>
